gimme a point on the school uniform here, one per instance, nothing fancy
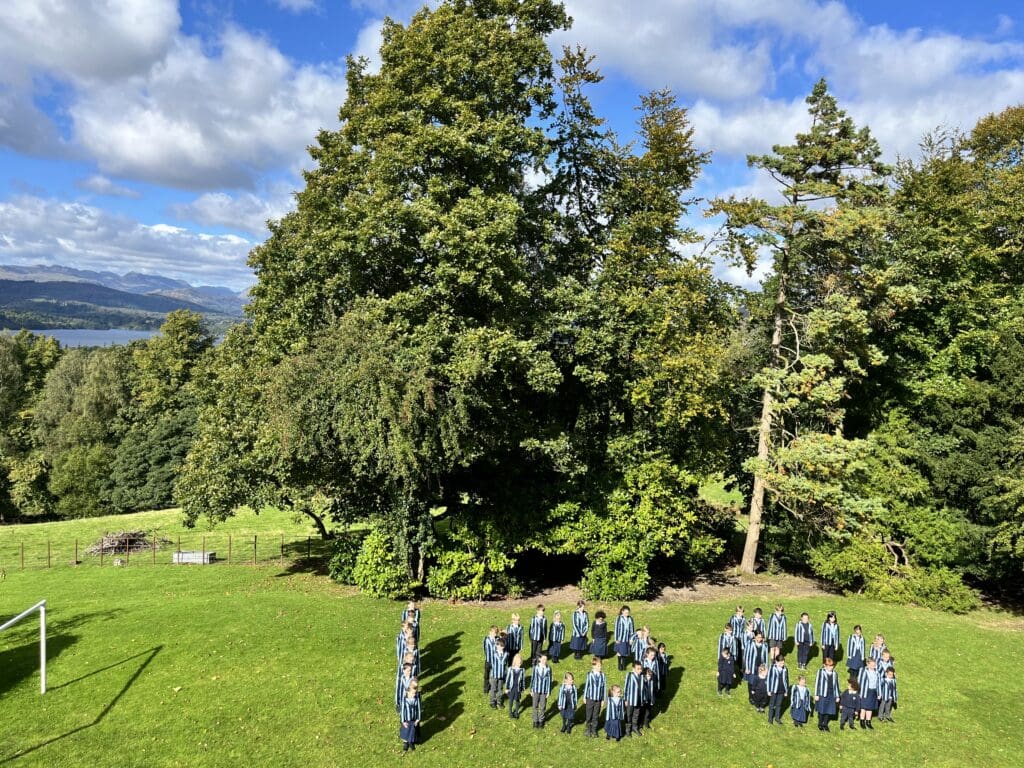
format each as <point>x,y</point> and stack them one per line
<point>739,626</point>
<point>726,640</point>
<point>804,638</point>
<point>757,625</point>
<point>623,633</point>
<point>875,652</point>
<point>489,646</point>
<point>599,644</point>
<point>800,704</point>
<point>631,698</point>
<point>651,664</point>
<point>829,640</point>
<point>759,693</point>
<point>648,693</point>
<point>513,639</point>
<point>887,697</point>
<point>753,658</point>
<point>826,690</point>
<point>540,689</point>
<point>855,652</point>
<point>413,617</point>
<point>613,727</point>
<point>726,674</point>
<point>538,633</point>
<point>593,697</point>
<point>883,665</point>
<point>849,703</point>
<point>400,648</point>
<point>409,716</point>
<point>869,680</point>
<point>401,686</point>
<point>515,682</point>
<point>578,641</point>
<point>567,699</point>
<point>778,686</point>
<point>499,672</point>
<point>415,661</point>
<point>638,646</point>
<point>778,630</point>
<point>663,664</point>
<point>556,636</point>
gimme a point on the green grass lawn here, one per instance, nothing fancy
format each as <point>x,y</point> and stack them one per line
<point>228,666</point>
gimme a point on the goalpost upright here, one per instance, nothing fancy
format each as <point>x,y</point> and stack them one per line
<point>41,607</point>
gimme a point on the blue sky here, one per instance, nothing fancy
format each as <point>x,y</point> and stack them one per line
<point>159,135</point>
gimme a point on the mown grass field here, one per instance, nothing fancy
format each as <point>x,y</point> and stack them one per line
<point>270,666</point>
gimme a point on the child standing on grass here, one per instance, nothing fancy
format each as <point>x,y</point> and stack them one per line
<point>613,717</point>
<point>538,633</point>
<point>830,636</point>
<point>402,641</point>
<point>567,698</point>
<point>877,646</point>
<point>885,663</point>
<point>490,639</point>
<point>499,672</point>
<point>850,704</point>
<point>623,634</point>
<point>515,682</point>
<point>580,627</point>
<point>556,636</point>
<point>855,651</point>
<point>650,662</point>
<point>800,702</point>
<point>869,681</point>
<point>410,717</point>
<point>726,672</point>
<point>402,685</point>
<point>648,692</point>
<point>411,614</point>
<point>663,662</point>
<point>758,623</point>
<point>777,633</point>
<point>778,687</point>
<point>826,693</point>
<point>759,691</point>
<point>599,646</point>
<point>639,642</point>
<point>727,640</point>
<point>887,695</point>
<point>412,651</point>
<point>755,657</point>
<point>804,640</point>
<point>540,689</point>
<point>593,696</point>
<point>631,700</point>
<point>514,636</point>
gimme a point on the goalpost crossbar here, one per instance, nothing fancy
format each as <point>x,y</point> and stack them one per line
<point>41,607</point>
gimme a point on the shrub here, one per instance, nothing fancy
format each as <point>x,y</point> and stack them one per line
<point>378,570</point>
<point>937,588</point>
<point>608,580</point>
<point>344,552</point>
<point>469,564</point>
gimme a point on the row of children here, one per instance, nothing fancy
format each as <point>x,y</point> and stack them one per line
<point>872,684</point>
<point>630,707</point>
<point>407,686</point>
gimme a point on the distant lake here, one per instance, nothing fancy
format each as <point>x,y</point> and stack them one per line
<point>86,337</point>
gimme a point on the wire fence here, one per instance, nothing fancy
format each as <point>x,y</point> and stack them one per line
<point>196,550</point>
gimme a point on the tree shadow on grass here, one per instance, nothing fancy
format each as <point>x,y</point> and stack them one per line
<point>441,708</point>
<point>441,686</point>
<point>440,653</point>
<point>147,658</point>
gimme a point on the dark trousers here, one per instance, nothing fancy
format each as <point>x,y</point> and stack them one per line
<point>823,720</point>
<point>724,687</point>
<point>623,662</point>
<point>536,648</point>
<point>775,706</point>
<point>593,710</point>
<point>496,688</point>
<point>568,715</point>
<point>645,715</point>
<point>631,724</point>
<point>803,653</point>
<point>487,677</point>
<point>884,710</point>
<point>540,703</point>
<point>514,698</point>
<point>828,652</point>
<point>848,716</point>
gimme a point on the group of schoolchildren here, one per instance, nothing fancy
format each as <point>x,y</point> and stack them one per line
<point>753,649</point>
<point>407,685</point>
<point>629,708</point>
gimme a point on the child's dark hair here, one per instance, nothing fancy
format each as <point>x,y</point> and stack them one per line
<point>854,685</point>
<point>757,610</point>
<point>623,608</point>
<point>540,606</point>
<point>600,615</point>
<point>804,614</point>
<point>856,627</point>
<point>729,627</point>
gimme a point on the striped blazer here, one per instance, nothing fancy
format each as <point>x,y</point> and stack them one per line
<point>540,680</point>
<point>623,629</point>
<point>826,684</point>
<point>514,639</point>
<point>595,687</point>
<point>754,656</point>
<point>778,679</point>
<point>616,710</point>
<point>567,696</point>
<point>411,710</point>
<point>499,663</point>
<point>725,640</point>
<point>777,627</point>
<point>830,635</point>
<point>887,689</point>
<point>631,690</point>
<point>869,680</point>
<point>538,628</point>
<point>804,633</point>
<point>557,632</point>
<point>738,624</point>
<point>855,648</point>
<point>515,679</point>
<point>580,623</point>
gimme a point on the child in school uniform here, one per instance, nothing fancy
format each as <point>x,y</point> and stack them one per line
<point>405,633</point>
<point>886,663</point>
<point>755,656</point>
<point>877,646</point>
<point>855,651</point>
<point>759,691</point>
<point>748,640</point>
<point>411,614</point>
<point>648,693</point>
<point>830,636</point>
<point>556,636</point>
<point>580,627</point>
<point>639,643</point>
<point>758,623</point>
<point>887,695</point>
<point>727,640</point>
<point>540,689</point>
<point>489,642</point>
<point>726,672</point>
<point>738,622</point>
<point>599,633</point>
<point>409,717</point>
<point>594,689</point>
<point>631,697</point>
<point>663,663</point>
<point>804,638</point>
<point>412,658</point>
<point>515,683</point>
<point>499,672</point>
<point>650,662</point>
<point>849,704</point>
<point>514,636</point>
<point>826,693</point>
<point>800,702</point>
<point>567,697</point>
<point>613,717</point>
<point>538,633</point>
<point>778,687</point>
<point>869,681</point>
<point>402,685</point>
<point>777,633</point>
<point>623,634</point>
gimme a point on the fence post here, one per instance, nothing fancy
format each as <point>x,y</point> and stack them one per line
<point>254,549</point>
<point>47,553</point>
<point>282,550</point>
<point>76,551</point>
<point>202,559</point>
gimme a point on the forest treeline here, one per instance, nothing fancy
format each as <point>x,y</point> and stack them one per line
<point>489,330</point>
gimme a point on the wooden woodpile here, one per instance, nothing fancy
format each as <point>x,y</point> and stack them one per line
<point>126,541</point>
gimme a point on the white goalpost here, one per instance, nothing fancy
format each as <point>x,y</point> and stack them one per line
<point>41,607</point>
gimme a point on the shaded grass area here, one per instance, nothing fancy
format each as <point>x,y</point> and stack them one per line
<point>232,666</point>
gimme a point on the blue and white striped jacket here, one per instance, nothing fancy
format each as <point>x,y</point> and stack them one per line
<point>754,656</point>
<point>557,633</point>
<point>631,690</point>
<point>778,679</point>
<point>567,696</point>
<point>411,709</point>
<point>777,627</point>
<point>580,623</point>
<point>804,633</point>
<point>538,628</point>
<point>595,687</point>
<point>623,629</point>
<point>540,680</point>
<point>830,635</point>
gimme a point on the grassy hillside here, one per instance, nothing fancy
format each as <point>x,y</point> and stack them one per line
<point>228,666</point>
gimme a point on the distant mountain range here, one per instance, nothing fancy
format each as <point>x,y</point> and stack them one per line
<point>52,296</point>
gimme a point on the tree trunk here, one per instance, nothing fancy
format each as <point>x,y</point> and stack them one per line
<point>318,522</point>
<point>764,431</point>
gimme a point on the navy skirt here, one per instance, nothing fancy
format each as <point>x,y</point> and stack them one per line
<point>407,732</point>
<point>869,699</point>
<point>825,706</point>
<point>799,715</point>
<point>623,649</point>
<point>599,647</point>
<point>613,728</point>
<point>578,643</point>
